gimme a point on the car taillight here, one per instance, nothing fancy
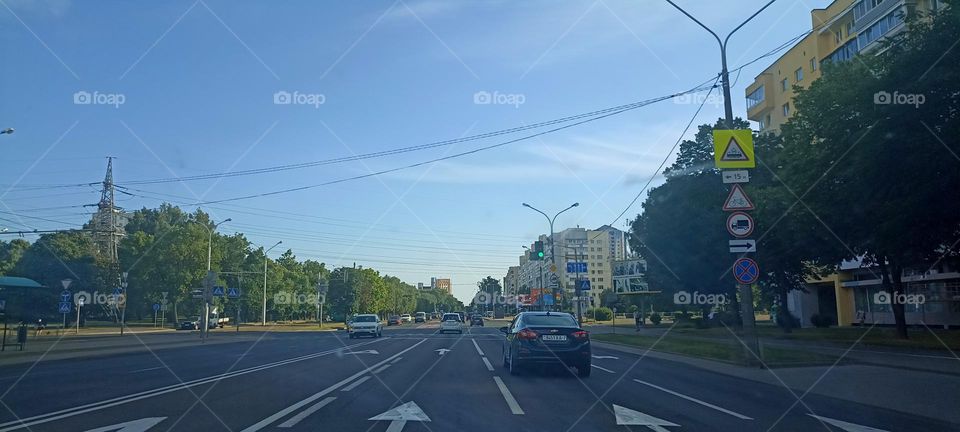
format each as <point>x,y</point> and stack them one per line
<point>527,334</point>
<point>580,334</point>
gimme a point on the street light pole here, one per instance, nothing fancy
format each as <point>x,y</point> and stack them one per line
<point>553,257</point>
<point>745,291</point>
<point>264,316</point>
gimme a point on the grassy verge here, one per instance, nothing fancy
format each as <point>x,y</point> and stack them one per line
<point>716,350</point>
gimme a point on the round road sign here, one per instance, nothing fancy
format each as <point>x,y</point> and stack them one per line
<point>739,224</point>
<point>746,271</point>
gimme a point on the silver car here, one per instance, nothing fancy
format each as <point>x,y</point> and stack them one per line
<point>364,324</point>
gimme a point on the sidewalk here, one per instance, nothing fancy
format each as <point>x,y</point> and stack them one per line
<point>877,386</point>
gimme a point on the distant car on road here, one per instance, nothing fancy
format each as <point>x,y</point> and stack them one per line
<point>420,317</point>
<point>434,315</point>
<point>463,316</point>
<point>406,318</point>
<point>451,322</point>
<point>476,320</point>
<point>488,314</point>
<point>364,324</point>
<point>393,320</point>
<point>546,337</point>
<point>189,325</point>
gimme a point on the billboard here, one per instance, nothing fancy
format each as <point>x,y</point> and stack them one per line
<point>547,300</point>
<point>630,276</point>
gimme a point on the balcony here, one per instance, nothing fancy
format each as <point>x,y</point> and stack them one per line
<point>759,97</point>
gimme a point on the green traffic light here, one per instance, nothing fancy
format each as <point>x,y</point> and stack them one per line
<point>540,254</point>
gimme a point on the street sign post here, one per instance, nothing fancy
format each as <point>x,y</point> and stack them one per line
<point>735,176</point>
<point>739,224</point>
<point>737,200</point>
<point>733,148</point>
<point>743,246</point>
<point>218,291</point>
<point>233,293</point>
<point>576,267</point>
<point>746,271</point>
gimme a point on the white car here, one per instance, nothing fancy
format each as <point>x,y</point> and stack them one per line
<point>364,324</point>
<point>451,322</point>
<point>406,318</point>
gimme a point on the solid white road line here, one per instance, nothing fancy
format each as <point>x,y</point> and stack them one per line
<point>511,402</point>
<point>355,383</point>
<point>602,368</point>
<point>396,360</point>
<point>147,369</point>
<point>96,406</point>
<point>381,369</point>
<point>297,418</point>
<point>487,364</point>
<point>695,400</point>
<point>479,351</point>
<point>284,412</point>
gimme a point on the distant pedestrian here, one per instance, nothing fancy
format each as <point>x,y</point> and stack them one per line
<point>638,320</point>
<point>40,326</point>
<point>861,317</point>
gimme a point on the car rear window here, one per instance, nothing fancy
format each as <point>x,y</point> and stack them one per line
<point>550,320</point>
<point>367,318</point>
<point>451,317</point>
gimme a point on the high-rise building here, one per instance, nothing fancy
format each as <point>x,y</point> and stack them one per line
<point>840,31</point>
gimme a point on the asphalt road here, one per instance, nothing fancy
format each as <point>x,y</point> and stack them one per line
<point>412,379</point>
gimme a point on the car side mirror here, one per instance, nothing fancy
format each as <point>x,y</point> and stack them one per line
<point>504,329</point>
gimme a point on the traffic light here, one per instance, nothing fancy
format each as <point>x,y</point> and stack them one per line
<point>537,250</point>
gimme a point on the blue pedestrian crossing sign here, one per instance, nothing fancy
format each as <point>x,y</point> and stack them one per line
<point>117,291</point>
<point>746,271</point>
<point>218,291</point>
<point>65,307</point>
<point>233,292</point>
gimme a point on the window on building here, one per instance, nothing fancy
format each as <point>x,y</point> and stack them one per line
<point>837,37</point>
<point>786,109</point>
<point>880,28</point>
<point>767,119</point>
<point>798,74</point>
<point>813,64</point>
<point>755,97</point>
<point>784,85</point>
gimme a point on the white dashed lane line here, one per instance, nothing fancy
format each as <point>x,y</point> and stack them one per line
<point>487,364</point>
<point>602,368</point>
<point>305,413</point>
<point>475,345</point>
<point>507,396</point>
<point>356,383</point>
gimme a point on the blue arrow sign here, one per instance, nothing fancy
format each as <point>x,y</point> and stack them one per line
<point>218,291</point>
<point>233,292</point>
<point>65,307</point>
<point>746,271</point>
<point>65,296</point>
<point>156,307</point>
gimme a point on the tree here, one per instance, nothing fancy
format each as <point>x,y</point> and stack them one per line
<point>883,176</point>
<point>10,254</point>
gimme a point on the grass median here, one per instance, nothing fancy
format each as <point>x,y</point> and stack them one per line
<point>726,351</point>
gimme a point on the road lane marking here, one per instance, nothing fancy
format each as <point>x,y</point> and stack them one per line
<point>695,400</point>
<point>605,357</point>
<point>511,402</point>
<point>851,427</point>
<point>487,363</point>
<point>396,360</point>
<point>147,369</point>
<point>284,412</point>
<point>479,351</point>
<point>381,369</point>
<point>96,406</point>
<point>299,417</point>
<point>602,368</point>
<point>356,383</point>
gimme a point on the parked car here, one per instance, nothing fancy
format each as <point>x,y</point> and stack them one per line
<point>189,325</point>
<point>406,318</point>
<point>451,322</point>
<point>476,320</point>
<point>364,324</point>
<point>420,317</point>
<point>393,320</point>
<point>546,337</point>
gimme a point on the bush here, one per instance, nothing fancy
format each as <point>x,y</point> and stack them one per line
<point>821,321</point>
<point>655,318</point>
<point>601,313</point>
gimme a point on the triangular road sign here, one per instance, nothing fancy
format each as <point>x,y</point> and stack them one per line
<point>406,412</point>
<point>737,200</point>
<point>627,416</point>
<point>733,152</point>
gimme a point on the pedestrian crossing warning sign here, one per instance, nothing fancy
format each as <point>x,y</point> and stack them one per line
<point>733,148</point>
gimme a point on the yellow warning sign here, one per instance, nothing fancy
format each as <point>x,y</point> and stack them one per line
<point>733,148</point>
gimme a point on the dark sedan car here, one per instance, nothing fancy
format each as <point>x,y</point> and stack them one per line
<point>476,320</point>
<point>546,337</point>
<point>393,320</point>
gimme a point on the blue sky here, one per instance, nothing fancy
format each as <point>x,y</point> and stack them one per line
<point>198,79</point>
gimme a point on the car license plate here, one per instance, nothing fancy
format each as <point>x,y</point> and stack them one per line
<point>554,338</point>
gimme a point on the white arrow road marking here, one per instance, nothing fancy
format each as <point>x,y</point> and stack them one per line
<point>695,400</point>
<point>507,396</point>
<point>363,352</point>
<point>131,426</point>
<point>299,417</point>
<point>399,416</point>
<point>442,351</point>
<point>627,416</point>
<point>606,357</point>
<point>851,427</point>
